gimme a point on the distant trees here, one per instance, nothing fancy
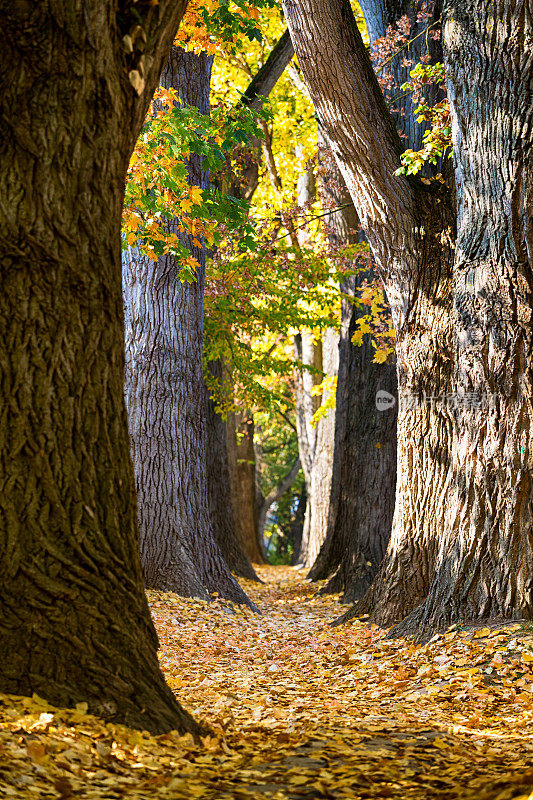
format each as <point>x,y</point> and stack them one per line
<point>74,621</point>
<point>363,479</point>
<point>461,534</point>
<point>166,398</point>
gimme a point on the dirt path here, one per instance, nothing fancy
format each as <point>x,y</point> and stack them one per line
<point>298,710</point>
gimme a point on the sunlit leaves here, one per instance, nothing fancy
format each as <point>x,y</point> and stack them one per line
<point>296,708</point>
<point>217,26</point>
<point>161,205</point>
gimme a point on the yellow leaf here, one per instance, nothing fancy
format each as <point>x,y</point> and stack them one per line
<point>36,751</point>
<point>441,744</point>
<point>380,356</point>
<point>196,195</point>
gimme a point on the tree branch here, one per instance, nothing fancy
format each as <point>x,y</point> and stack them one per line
<point>278,491</point>
<point>270,73</point>
<point>350,104</point>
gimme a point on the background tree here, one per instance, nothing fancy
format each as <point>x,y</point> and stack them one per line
<point>166,400</point>
<point>227,526</point>
<point>364,468</point>
<point>410,228</point>
<point>74,619</point>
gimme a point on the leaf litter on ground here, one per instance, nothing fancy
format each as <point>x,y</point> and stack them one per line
<point>296,709</point>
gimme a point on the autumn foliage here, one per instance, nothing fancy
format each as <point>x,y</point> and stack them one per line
<point>294,708</point>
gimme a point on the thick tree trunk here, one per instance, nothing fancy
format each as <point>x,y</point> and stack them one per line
<point>410,230</point>
<point>226,532</point>
<point>166,398</point>
<point>365,464</point>
<point>486,566</point>
<point>241,457</point>
<point>74,621</point>
<point>362,495</point>
<point>424,434</point>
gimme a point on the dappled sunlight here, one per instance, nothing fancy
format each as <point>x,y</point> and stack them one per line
<point>295,708</point>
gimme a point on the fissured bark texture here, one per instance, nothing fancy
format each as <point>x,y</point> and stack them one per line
<point>485,568</point>
<point>74,621</point>
<point>166,397</point>
<point>410,228</point>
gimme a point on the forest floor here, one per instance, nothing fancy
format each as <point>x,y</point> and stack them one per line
<point>297,709</point>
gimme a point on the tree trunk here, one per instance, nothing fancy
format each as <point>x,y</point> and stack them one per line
<point>166,398</point>
<point>298,525</point>
<point>410,230</point>
<point>320,473</point>
<point>219,490</point>
<point>362,495</point>
<point>368,472</point>
<point>241,457</point>
<point>74,621</point>
<point>486,566</point>
<point>315,441</point>
<point>364,474</point>
<point>379,15</point>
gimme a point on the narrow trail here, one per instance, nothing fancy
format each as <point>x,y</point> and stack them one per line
<point>297,709</point>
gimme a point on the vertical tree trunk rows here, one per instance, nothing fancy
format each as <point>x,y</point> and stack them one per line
<point>166,396</point>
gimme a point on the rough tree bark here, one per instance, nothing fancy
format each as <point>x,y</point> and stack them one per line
<point>241,456</point>
<point>485,568</point>
<point>364,468</point>
<point>225,528</point>
<point>166,397</point>
<point>74,621</point>
<point>410,228</point>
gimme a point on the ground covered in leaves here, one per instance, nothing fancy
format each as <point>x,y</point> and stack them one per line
<point>297,709</point>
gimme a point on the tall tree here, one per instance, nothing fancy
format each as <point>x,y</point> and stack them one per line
<point>410,228</point>
<point>485,568</point>
<point>74,621</point>
<point>226,527</point>
<point>362,500</point>
<point>315,436</point>
<point>165,393</point>
<point>241,453</point>
<point>363,482</point>
<point>315,439</point>
<point>473,519</point>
